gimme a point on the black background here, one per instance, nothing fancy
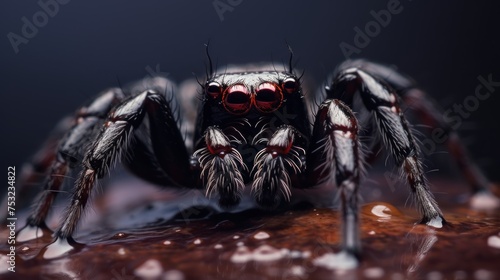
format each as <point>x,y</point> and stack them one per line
<point>444,45</point>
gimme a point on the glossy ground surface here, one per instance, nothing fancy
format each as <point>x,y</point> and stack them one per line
<point>298,243</point>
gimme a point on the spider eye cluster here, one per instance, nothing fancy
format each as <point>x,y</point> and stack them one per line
<point>237,99</point>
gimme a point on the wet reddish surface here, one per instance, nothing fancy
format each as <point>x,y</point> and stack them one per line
<point>288,244</point>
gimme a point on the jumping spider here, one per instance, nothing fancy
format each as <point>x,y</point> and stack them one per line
<point>238,111</point>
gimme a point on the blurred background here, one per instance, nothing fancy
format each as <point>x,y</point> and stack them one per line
<point>78,48</point>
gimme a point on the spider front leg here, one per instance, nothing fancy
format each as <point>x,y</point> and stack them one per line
<point>276,165</point>
<point>221,167</point>
<point>381,100</point>
<point>334,154</point>
<point>112,142</point>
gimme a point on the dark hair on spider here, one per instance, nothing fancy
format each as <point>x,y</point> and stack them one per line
<point>290,60</point>
<point>290,63</point>
<point>210,70</point>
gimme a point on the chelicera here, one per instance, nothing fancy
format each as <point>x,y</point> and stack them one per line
<point>241,111</point>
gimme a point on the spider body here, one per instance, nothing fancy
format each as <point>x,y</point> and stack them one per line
<point>240,114</point>
<point>252,130</point>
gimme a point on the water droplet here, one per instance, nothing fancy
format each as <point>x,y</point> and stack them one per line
<point>173,275</point>
<point>483,274</point>
<point>340,261</point>
<point>434,275</point>
<point>242,255</point>
<point>236,237</point>
<point>381,211</point>
<point>197,241</point>
<point>295,254</point>
<point>460,275</point>
<point>25,248</point>
<point>371,232</point>
<point>297,270</point>
<point>266,253</point>
<point>57,249</point>
<point>484,201</point>
<point>149,269</point>
<point>122,251</point>
<point>218,246</point>
<point>261,235</point>
<point>373,272</point>
<point>167,242</point>
<point>4,263</point>
<point>120,235</point>
<point>494,241</point>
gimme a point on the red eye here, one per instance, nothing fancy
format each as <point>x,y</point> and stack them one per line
<point>290,85</point>
<point>213,89</point>
<point>268,97</point>
<point>237,99</point>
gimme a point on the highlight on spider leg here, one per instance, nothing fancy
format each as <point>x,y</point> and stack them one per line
<point>334,146</point>
<point>273,166</point>
<point>379,98</point>
<point>60,247</point>
<point>335,154</point>
<point>221,166</point>
<point>427,205</point>
<point>35,225</point>
<point>30,232</point>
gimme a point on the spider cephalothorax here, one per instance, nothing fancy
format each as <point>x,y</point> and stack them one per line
<point>252,131</point>
<point>240,114</point>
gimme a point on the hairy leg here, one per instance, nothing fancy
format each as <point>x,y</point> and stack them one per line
<point>382,101</point>
<point>335,155</point>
